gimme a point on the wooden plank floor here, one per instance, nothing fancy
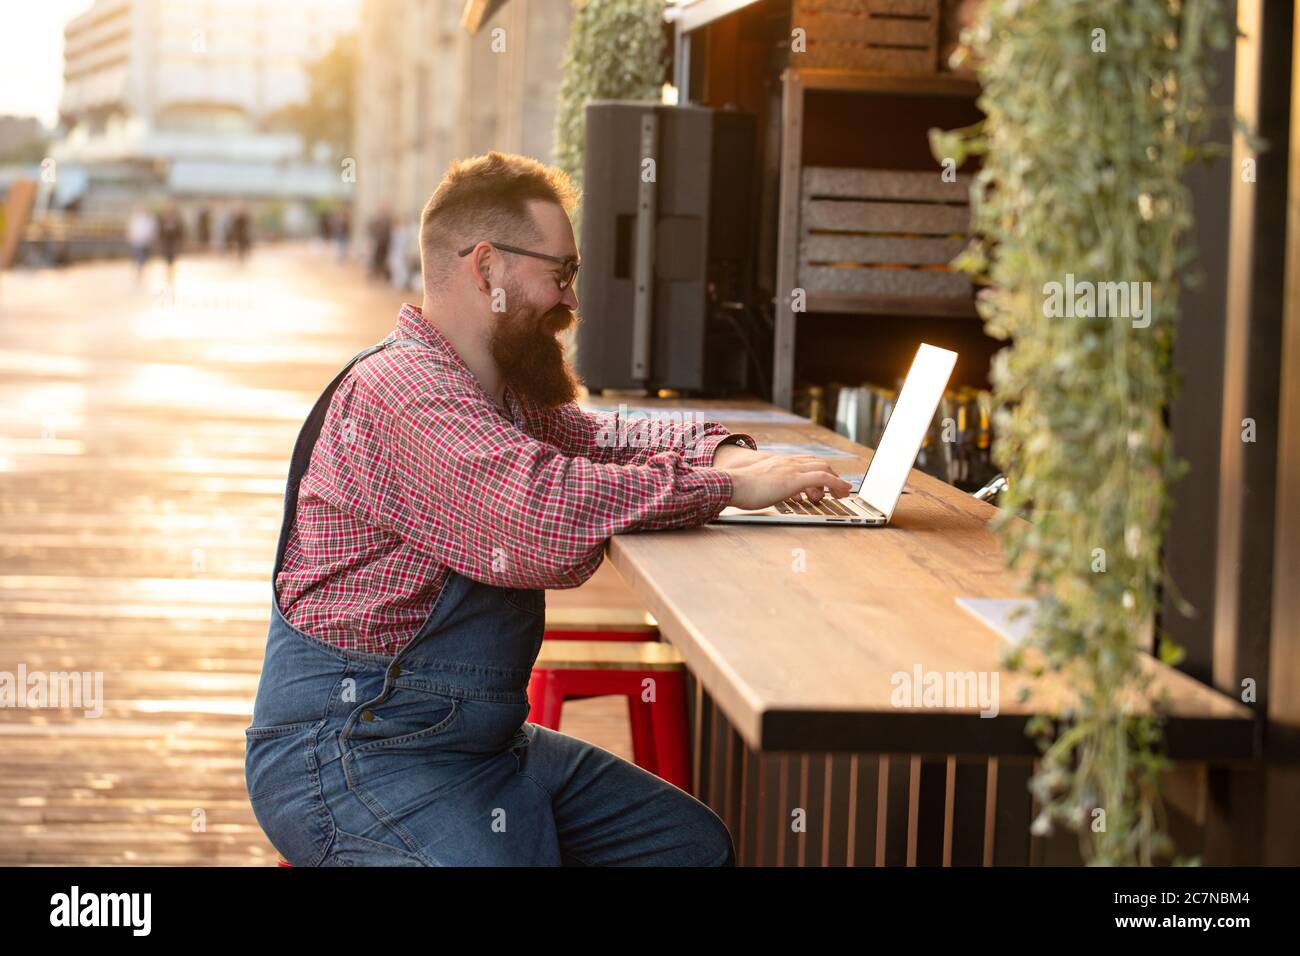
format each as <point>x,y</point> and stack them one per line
<point>144,442</point>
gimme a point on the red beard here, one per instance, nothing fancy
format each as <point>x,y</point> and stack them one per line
<point>529,354</point>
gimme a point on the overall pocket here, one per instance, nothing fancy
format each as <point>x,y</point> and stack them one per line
<point>276,758</point>
<point>283,784</point>
<point>406,717</point>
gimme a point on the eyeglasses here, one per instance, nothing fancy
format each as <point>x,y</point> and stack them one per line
<point>570,263</point>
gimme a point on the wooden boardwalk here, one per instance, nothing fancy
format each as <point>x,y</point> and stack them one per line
<point>144,442</point>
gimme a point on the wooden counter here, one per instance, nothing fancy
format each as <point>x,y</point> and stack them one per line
<point>803,659</point>
<point>799,662</point>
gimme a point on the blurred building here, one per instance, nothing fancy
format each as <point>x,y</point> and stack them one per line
<point>428,93</point>
<point>16,131</point>
<point>174,97</point>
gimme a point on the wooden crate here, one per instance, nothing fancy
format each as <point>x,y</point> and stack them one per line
<point>895,36</point>
<point>882,233</point>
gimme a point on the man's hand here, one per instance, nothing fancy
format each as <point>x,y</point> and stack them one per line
<point>760,482</point>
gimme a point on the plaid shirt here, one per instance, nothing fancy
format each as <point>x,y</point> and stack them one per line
<point>418,471</point>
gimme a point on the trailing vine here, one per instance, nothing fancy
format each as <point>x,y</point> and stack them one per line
<point>617,50</point>
<point>1092,112</point>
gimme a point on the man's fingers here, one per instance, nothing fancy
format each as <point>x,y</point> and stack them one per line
<point>838,486</point>
<point>815,481</point>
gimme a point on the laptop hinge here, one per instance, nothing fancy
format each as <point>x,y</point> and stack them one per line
<point>861,503</point>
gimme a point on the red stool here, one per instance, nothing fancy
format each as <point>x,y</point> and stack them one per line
<point>574,669</point>
<point>568,623</point>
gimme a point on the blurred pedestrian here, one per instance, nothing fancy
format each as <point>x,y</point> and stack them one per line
<point>141,231</point>
<point>414,281</point>
<point>341,223</point>
<point>221,230</point>
<point>171,233</point>
<point>203,228</point>
<point>381,234</point>
<point>399,254</point>
<point>241,232</point>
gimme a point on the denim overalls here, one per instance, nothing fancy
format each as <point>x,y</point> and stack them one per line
<point>426,758</point>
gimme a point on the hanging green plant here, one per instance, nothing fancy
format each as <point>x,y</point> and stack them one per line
<point>1092,112</point>
<point>617,50</point>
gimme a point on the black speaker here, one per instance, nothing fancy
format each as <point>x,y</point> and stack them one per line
<point>668,247</point>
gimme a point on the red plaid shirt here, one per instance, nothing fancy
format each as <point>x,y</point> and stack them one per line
<point>418,471</point>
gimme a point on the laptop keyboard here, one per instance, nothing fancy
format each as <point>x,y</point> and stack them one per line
<point>827,506</point>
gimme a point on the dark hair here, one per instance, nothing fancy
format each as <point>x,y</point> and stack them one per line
<point>486,197</point>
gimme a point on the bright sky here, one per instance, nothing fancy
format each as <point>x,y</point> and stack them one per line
<point>31,55</point>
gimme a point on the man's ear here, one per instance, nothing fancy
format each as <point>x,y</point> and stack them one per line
<point>482,265</point>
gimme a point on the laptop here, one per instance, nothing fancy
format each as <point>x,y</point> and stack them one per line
<point>872,500</point>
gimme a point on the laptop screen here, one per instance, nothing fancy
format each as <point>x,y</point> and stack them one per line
<point>906,428</point>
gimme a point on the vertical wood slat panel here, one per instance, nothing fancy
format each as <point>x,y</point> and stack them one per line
<point>1012,813</point>
<point>882,808</point>
<point>913,806</point>
<point>969,798</point>
<point>722,744</point>
<point>864,809</point>
<point>932,776</point>
<point>949,798</point>
<point>731,786</point>
<point>746,803</point>
<point>828,808</point>
<point>780,816</point>
<point>990,810</point>
<point>813,783</point>
<point>837,791</point>
<point>851,856</point>
<point>761,814</point>
<point>898,812</point>
<point>866,778</point>
<point>802,844</point>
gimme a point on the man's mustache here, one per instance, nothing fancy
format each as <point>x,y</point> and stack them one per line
<point>557,320</point>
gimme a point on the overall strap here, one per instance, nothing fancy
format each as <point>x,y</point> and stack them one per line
<point>307,441</point>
